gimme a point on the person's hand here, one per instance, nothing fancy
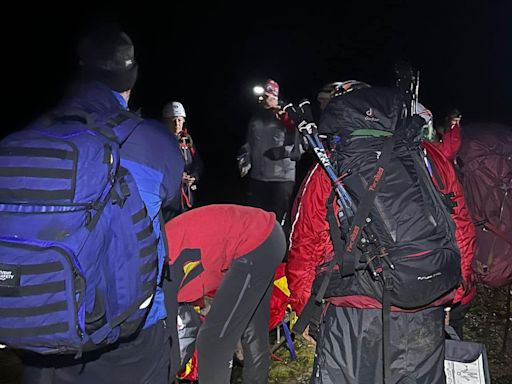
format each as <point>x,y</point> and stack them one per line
<point>467,285</point>
<point>276,153</point>
<point>244,164</point>
<point>308,338</point>
<point>454,121</point>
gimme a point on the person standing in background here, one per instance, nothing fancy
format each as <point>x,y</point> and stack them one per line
<point>174,116</point>
<point>270,152</point>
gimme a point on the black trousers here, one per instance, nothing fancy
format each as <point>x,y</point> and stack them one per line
<point>143,360</point>
<point>241,310</point>
<point>349,349</point>
<point>457,318</point>
<point>272,196</point>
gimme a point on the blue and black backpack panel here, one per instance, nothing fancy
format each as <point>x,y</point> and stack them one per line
<point>78,256</point>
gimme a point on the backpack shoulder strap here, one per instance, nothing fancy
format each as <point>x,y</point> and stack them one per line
<point>123,124</point>
<point>117,128</point>
<point>313,309</point>
<point>364,207</point>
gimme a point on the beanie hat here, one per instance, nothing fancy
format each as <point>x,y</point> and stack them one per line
<point>107,55</point>
<point>271,88</point>
<point>174,109</point>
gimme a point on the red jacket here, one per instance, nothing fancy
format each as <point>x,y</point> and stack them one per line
<point>450,143</point>
<point>310,243</point>
<point>441,154</point>
<point>222,233</point>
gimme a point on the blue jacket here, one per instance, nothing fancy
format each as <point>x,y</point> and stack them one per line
<point>152,156</point>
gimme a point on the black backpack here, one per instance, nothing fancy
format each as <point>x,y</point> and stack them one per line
<point>393,237</point>
<point>377,153</point>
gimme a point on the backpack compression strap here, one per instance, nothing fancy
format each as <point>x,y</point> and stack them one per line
<point>363,210</point>
<point>313,309</point>
<point>344,256</point>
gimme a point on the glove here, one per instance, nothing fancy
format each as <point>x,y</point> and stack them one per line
<point>244,164</point>
<point>276,153</point>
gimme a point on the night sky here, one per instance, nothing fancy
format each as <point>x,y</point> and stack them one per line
<point>208,56</point>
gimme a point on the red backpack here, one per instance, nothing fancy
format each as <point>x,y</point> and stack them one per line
<point>485,159</point>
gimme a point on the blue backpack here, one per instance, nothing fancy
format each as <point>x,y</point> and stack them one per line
<point>78,255</point>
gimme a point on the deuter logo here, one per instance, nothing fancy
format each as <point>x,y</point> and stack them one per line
<point>6,275</point>
<point>370,116</point>
<point>437,274</point>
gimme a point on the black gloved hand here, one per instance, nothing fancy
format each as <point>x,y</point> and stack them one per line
<point>276,153</point>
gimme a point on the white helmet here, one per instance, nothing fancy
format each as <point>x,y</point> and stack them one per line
<point>173,109</point>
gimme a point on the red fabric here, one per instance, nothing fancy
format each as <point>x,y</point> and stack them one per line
<point>310,243</point>
<point>222,233</point>
<point>367,302</point>
<point>189,373</point>
<point>185,141</point>
<point>278,301</point>
<point>487,169</point>
<point>286,120</point>
<point>465,231</point>
<point>450,144</point>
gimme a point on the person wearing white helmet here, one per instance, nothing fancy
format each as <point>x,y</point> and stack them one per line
<point>174,116</point>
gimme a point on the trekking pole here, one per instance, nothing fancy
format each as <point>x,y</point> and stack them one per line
<point>408,84</point>
<point>416,91</point>
<point>308,129</point>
